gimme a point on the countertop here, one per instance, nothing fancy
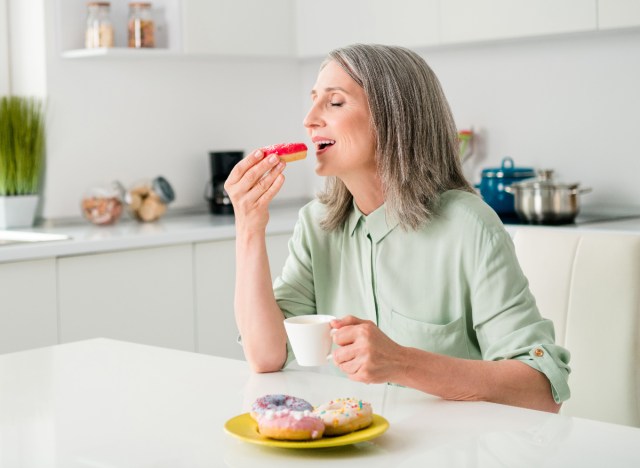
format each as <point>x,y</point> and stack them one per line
<point>177,228</point>
<point>86,238</point>
<point>106,403</point>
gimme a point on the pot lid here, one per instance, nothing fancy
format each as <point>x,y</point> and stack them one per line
<point>544,180</point>
<point>507,169</point>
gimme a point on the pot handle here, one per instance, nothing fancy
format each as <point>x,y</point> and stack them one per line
<point>576,191</point>
<point>507,163</point>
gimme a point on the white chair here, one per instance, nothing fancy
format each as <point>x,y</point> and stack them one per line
<point>588,283</point>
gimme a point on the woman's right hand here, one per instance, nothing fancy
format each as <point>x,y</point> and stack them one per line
<point>251,189</point>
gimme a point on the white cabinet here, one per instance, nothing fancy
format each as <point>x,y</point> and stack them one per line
<point>618,13</point>
<point>215,271</point>
<point>212,27</point>
<point>278,250</point>
<point>238,27</point>
<point>144,296</point>
<point>215,286</point>
<point>323,26</point>
<point>28,316</point>
<point>478,20</point>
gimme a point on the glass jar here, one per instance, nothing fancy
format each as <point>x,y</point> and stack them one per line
<point>99,32</point>
<point>141,25</point>
<point>147,200</point>
<point>103,205</point>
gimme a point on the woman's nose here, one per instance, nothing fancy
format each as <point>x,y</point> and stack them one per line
<point>313,118</point>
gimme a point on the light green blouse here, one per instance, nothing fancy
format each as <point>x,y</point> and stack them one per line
<point>453,286</point>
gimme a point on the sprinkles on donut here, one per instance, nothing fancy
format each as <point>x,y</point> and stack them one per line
<point>344,415</point>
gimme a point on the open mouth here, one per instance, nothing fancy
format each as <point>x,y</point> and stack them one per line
<point>324,144</point>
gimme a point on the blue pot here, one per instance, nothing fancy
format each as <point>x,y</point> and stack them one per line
<point>493,183</point>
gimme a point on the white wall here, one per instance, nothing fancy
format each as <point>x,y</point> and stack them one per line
<point>131,119</point>
<point>26,44</point>
<point>569,103</point>
<point>4,48</point>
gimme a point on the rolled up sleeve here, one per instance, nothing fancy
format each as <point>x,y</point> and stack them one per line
<point>507,321</point>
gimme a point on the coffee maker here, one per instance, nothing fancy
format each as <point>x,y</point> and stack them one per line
<point>222,162</point>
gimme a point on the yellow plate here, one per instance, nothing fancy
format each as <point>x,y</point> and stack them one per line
<point>245,428</point>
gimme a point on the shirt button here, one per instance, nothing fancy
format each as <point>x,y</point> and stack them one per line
<point>539,352</point>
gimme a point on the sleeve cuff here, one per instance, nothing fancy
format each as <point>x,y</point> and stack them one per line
<point>542,360</point>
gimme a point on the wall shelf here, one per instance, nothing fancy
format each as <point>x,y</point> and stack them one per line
<point>119,52</point>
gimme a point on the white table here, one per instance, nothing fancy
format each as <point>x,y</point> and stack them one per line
<point>103,403</point>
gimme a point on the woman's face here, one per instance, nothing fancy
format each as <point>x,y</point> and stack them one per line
<point>339,124</point>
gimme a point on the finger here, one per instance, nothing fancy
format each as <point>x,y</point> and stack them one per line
<point>350,367</point>
<point>273,189</point>
<point>348,320</point>
<point>243,166</point>
<point>258,172</point>
<point>346,335</point>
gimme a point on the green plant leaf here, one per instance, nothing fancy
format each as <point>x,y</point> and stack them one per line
<point>22,144</point>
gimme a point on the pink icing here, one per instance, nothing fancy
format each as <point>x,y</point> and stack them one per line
<point>294,421</point>
<point>283,149</point>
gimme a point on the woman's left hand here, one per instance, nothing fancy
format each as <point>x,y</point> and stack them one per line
<point>365,354</point>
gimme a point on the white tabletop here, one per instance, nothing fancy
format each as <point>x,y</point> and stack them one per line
<point>103,403</point>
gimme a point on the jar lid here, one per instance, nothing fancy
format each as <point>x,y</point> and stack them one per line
<point>163,188</point>
<point>507,169</point>
<point>544,180</point>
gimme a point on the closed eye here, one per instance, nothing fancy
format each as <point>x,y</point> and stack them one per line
<point>337,104</point>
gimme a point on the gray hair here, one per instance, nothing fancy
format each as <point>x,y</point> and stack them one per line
<point>416,137</point>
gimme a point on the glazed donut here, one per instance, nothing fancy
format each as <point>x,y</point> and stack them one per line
<point>288,152</point>
<point>290,425</point>
<point>344,415</point>
<point>278,402</point>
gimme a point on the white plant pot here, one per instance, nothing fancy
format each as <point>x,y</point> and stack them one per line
<point>18,211</point>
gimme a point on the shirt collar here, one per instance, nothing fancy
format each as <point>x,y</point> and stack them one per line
<point>375,223</point>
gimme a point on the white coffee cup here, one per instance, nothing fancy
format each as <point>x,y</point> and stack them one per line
<point>310,338</point>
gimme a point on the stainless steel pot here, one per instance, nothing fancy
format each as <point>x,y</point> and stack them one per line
<point>544,201</point>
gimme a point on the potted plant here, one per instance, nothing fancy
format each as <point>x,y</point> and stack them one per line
<point>22,138</point>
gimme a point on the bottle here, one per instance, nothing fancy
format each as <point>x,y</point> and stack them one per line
<point>99,32</point>
<point>141,25</point>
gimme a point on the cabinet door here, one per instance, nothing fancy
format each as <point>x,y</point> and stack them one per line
<point>144,296</point>
<point>618,13</point>
<point>215,267</point>
<point>476,20</point>
<point>28,316</point>
<point>238,27</point>
<point>215,270</point>
<point>278,250</point>
<point>329,24</point>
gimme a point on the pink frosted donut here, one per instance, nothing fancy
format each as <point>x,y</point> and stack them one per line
<point>278,402</point>
<point>290,425</point>
<point>288,152</point>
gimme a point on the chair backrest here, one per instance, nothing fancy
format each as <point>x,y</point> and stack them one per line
<point>588,283</point>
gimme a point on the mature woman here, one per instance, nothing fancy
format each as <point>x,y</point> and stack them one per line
<point>420,272</point>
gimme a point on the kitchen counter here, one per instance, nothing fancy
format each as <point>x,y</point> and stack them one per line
<point>86,238</point>
<point>180,228</point>
<point>112,403</point>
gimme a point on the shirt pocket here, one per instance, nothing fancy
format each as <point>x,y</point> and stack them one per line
<point>449,339</point>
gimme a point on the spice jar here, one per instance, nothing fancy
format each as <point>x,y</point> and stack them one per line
<point>141,25</point>
<point>99,32</point>
<point>103,205</point>
<point>148,200</point>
